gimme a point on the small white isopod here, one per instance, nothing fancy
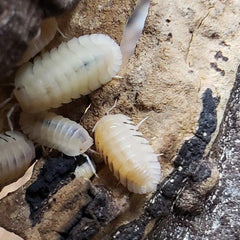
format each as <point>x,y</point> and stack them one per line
<point>55,131</point>
<point>17,153</point>
<point>47,33</point>
<point>75,68</point>
<point>85,170</point>
<point>128,155</point>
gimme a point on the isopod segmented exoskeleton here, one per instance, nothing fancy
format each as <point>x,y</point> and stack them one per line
<point>47,33</point>
<point>55,131</point>
<point>16,156</point>
<point>85,170</point>
<point>128,155</point>
<point>75,68</point>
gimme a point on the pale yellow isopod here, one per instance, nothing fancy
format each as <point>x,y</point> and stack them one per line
<point>55,131</point>
<point>75,68</point>
<point>128,155</point>
<point>85,170</point>
<point>47,33</point>
<point>16,156</point>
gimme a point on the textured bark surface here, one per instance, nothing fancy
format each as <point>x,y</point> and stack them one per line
<point>180,76</point>
<point>54,205</point>
<point>19,23</point>
<point>220,218</point>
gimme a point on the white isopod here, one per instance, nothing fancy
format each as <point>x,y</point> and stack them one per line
<point>16,156</point>
<point>55,131</point>
<point>85,170</point>
<point>75,68</point>
<point>48,31</point>
<point>128,155</point>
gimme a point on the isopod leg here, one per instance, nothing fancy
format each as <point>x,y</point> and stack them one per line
<point>62,34</point>
<point>111,108</point>
<point>44,151</point>
<point>118,77</point>
<point>6,101</point>
<point>93,151</point>
<point>141,122</point>
<point>87,108</point>
<point>9,114</point>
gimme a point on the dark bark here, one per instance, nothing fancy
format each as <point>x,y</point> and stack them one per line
<point>179,193</point>
<point>220,219</point>
<point>19,23</point>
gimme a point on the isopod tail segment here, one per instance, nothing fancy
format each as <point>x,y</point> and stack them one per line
<point>85,170</point>
<point>128,155</point>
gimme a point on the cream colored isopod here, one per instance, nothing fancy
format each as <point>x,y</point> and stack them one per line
<point>17,153</point>
<point>85,170</point>
<point>75,68</point>
<point>128,155</point>
<point>55,131</point>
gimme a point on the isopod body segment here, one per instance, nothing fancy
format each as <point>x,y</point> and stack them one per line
<point>128,155</point>
<point>75,68</point>
<point>17,153</point>
<point>55,131</point>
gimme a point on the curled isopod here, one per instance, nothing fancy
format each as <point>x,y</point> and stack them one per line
<point>47,33</point>
<point>17,153</point>
<point>85,170</point>
<point>75,68</point>
<point>128,155</point>
<point>55,131</point>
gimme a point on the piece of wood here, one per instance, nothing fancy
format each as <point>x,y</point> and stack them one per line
<point>19,23</point>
